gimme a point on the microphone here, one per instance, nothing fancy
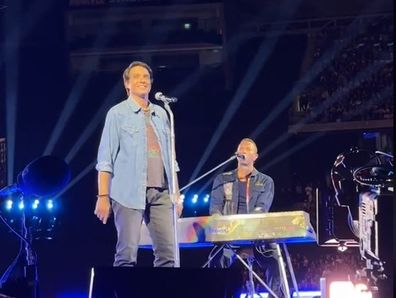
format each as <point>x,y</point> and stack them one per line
<point>240,156</point>
<point>164,98</point>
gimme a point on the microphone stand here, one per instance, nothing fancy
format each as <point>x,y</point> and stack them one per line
<point>208,172</point>
<point>173,186</point>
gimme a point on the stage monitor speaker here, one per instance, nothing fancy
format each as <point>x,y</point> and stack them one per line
<point>130,282</point>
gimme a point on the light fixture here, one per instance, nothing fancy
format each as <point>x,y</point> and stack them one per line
<point>194,199</point>
<point>342,246</point>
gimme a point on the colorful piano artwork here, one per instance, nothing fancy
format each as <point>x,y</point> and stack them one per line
<point>241,229</point>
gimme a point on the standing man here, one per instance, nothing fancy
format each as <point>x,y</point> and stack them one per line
<point>134,171</point>
<point>241,191</point>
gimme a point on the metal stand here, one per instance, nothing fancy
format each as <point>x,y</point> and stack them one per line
<point>282,269</point>
<point>291,270</point>
<point>251,290</point>
<point>217,249</point>
<point>208,172</point>
<point>255,274</point>
<point>30,269</point>
<point>173,186</point>
<point>26,261</point>
<point>247,265</point>
<point>276,248</point>
<point>196,180</point>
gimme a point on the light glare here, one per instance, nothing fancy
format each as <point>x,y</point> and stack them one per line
<point>194,199</point>
<point>21,205</point>
<point>9,204</point>
<point>50,204</point>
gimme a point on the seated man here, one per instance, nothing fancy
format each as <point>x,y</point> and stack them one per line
<point>241,191</point>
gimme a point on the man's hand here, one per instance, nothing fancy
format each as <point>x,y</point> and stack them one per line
<point>102,208</point>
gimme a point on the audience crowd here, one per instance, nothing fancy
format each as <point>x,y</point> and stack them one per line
<point>357,84</point>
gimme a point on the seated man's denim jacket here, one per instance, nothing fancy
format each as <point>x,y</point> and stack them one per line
<point>225,193</point>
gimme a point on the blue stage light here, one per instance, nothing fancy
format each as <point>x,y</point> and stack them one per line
<point>35,204</point>
<point>21,205</point>
<point>8,204</point>
<point>50,204</point>
<point>206,198</point>
<point>194,199</point>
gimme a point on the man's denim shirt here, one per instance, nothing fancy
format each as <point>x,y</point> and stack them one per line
<point>225,193</point>
<point>123,150</point>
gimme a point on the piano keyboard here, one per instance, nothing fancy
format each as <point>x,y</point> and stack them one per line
<point>241,229</point>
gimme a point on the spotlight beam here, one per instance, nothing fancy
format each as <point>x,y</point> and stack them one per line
<point>209,182</point>
<point>81,84</point>
<point>93,124</point>
<point>81,175</point>
<point>248,81</point>
<point>315,70</point>
<point>183,87</point>
<point>254,69</point>
<point>105,106</point>
<point>11,87</point>
<point>336,97</point>
<point>292,150</point>
<point>82,81</point>
<point>341,92</point>
<point>90,128</point>
<point>233,44</point>
<point>364,108</point>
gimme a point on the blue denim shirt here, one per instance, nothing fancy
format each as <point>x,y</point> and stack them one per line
<point>225,193</point>
<point>123,150</point>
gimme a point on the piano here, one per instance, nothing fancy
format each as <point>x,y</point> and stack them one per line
<point>240,229</point>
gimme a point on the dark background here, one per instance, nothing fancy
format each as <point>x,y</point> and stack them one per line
<point>35,67</point>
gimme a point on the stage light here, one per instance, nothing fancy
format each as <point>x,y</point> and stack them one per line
<point>206,198</point>
<point>50,204</point>
<point>361,291</point>
<point>8,204</point>
<point>341,289</point>
<point>182,196</point>
<point>194,200</point>
<point>35,204</point>
<point>308,294</point>
<point>42,178</point>
<point>346,289</point>
<point>187,26</point>
<point>342,246</point>
<point>21,205</point>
